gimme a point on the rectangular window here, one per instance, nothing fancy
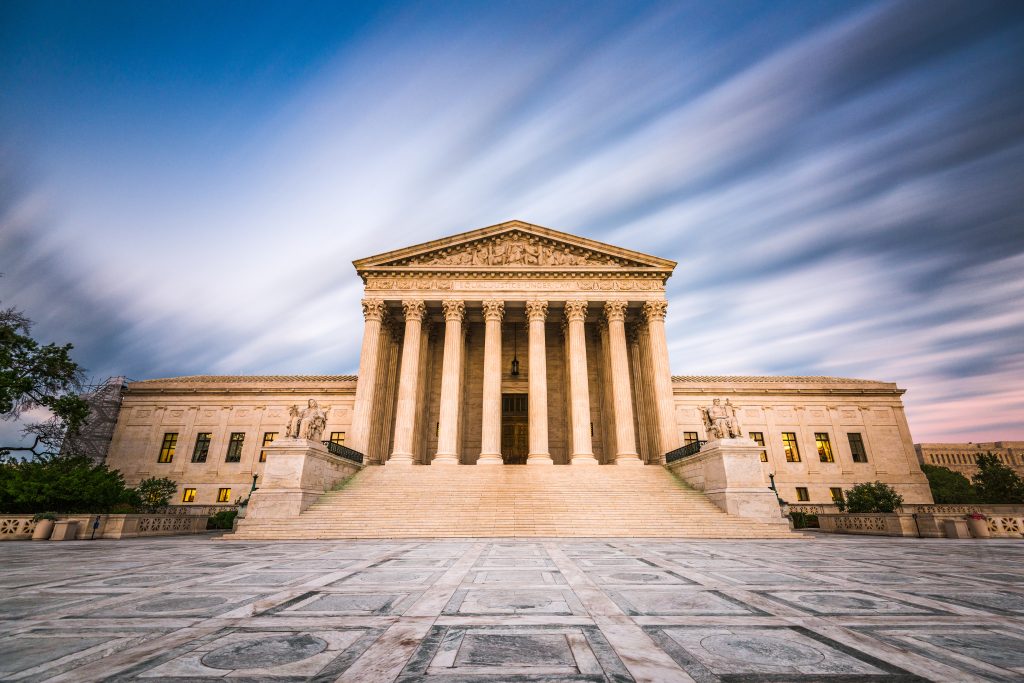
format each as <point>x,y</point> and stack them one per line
<point>202,447</point>
<point>857,447</point>
<point>789,445</point>
<point>758,438</point>
<point>837,494</point>
<point>268,438</point>
<point>189,496</point>
<point>167,447</point>
<point>689,437</point>
<point>824,447</point>
<point>223,495</point>
<point>235,447</point>
<point>338,438</point>
<point>801,494</point>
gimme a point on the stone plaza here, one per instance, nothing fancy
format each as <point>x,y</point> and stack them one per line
<point>811,609</point>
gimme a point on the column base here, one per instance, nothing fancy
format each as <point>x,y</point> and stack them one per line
<point>584,459</point>
<point>445,459</point>
<point>400,459</point>
<point>490,459</point>
<point>539,459</point>
<point>628,459</point>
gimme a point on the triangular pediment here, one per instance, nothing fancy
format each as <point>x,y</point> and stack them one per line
<point>514,245</point>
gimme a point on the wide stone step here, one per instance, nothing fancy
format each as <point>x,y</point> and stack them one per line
<point>466,502</point>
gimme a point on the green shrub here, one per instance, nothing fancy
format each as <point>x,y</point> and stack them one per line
<point>40,516</point>
<point>804,520</point>
<point>872,497</point>
<point>224,519</point>
<point>948,486</point>
<point>154,493</point>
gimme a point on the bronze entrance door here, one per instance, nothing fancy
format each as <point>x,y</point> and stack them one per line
<point>514,429</point>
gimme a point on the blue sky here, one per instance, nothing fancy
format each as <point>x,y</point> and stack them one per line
<point>183,186</point>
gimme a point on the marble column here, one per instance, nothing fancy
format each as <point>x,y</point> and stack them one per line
<point>451,381</point>
<point>581,450</point>
<point>625,437</point>
<point>490,433</point>
<point>405,413</point>
<point>661,375</point>
<point>537,313</point>
<point>369,369</point>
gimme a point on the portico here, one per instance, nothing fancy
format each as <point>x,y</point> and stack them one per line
<point>444,321</point>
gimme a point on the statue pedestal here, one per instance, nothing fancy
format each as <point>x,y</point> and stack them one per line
<point>730,474</point>
<point>296,474</point>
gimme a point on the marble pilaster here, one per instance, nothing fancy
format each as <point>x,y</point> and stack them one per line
<point>668,436</point>
<point>581,449</point>
<point>625,437</point>
<point>451,380</point>
<point>366,389</point>
<point>405,417</point>
<point>490,434</point>
<point>536,313</point>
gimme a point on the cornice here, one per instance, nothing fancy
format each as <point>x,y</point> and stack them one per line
<point>528,229</point>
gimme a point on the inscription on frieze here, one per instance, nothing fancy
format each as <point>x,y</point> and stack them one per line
<point>488,285</point>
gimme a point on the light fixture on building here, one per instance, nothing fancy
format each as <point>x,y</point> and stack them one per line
<point>515,351</point>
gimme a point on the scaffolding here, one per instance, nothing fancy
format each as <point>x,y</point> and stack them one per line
<point>93,438</point>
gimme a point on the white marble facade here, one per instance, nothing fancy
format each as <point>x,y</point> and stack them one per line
<point>585,322</point>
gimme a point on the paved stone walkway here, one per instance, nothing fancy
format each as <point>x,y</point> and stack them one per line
<point>829,608</point>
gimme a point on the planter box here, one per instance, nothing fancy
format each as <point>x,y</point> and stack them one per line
<point>956,528</point>
<point>64,530</point>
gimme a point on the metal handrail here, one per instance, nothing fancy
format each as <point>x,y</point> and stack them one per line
<point>344,452</point>
<point>692,448</point>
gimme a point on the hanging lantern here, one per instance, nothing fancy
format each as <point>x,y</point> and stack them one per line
<point>515,352</point>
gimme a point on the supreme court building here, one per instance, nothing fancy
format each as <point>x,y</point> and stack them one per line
<point>516,344</point>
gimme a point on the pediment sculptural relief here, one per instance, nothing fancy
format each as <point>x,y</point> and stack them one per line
<point>513,250</point>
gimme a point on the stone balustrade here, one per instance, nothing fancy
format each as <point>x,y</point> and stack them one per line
<point>1008,522</point>
<point>20,527</point>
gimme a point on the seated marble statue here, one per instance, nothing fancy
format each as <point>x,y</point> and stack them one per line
<point>720,421</point>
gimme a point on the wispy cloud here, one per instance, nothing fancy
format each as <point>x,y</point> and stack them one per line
<point>840,185</point>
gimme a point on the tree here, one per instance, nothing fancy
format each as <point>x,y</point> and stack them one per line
<point>948,486</point>
<point>61,484</point>
<point>34,375</point>
<point>873,497</point>
<point>154,493</point>
<point>996,483</point>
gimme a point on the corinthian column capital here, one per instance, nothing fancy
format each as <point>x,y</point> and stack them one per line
<point>493,309</point>
<point>537,310</point>
<point>414,309</point>
<point>373,309</point>
<point>615,311</point>
<point>453,309</point>
<point>575,310</point>
<point>655,310</point>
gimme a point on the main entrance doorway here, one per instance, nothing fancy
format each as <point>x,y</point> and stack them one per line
<point>514,429</point>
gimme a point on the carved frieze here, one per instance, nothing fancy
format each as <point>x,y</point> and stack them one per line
<point>514,249</point>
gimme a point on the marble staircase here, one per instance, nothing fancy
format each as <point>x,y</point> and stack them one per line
<point>512,500</point>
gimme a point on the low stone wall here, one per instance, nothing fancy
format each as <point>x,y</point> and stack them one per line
<point>20,527</point>
<point>186,509</point>
<point>1008,522</point>
<point>891,524</point>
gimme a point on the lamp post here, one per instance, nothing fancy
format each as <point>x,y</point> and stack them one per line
<point>771,478</point>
